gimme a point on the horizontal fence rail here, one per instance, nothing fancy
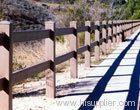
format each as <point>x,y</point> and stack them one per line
<point>22,36</point>
<point>64,31</point>
<point>30,71</point>
<point>82,49</point>
<point>109,33</point>
<point>63,58</point>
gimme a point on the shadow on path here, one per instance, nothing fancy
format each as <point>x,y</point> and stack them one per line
<point>133,94</point>
<point>101,85</point>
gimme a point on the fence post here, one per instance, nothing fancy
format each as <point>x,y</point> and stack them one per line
<point>87,42</point>
<point>139,24</point>
<point>6,66</point>
<point>118,37</point>
<point>73,47</point>
<point>123,36</point>
<point>135,25</point>
<point>120,30</point>
<point>50,55</point>
<point>114,32</point>
<point>109,33</point>
<point>97,38</point>
<point>104,37</point>
<point>125,28</point>
<point>132,26</point>
<point>129,28</point>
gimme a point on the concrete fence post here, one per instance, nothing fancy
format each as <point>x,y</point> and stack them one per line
<point>136,27</point>
<point>127,26</point>
<point>88,42</point>
<point>97,38</point>
<point>50,55</point>
<point>73,47</point>
<point>6,66</point>
<point>104,35</point>
<point>118,30</point>
<point>130,25</point>
<point>128,31</point>
<point>123,28</point>
<point>114,32</point>
<point>109,34</point>
<point>139,24</point>
<point>133,26</point>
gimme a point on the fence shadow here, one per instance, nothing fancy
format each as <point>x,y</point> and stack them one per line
<point>133,94</point>
<point>65,88</point>
<point>101,85</point>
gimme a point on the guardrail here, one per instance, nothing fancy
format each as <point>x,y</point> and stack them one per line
<point>107,34</point>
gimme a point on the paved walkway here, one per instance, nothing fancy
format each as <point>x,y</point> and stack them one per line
<point>114,83</point>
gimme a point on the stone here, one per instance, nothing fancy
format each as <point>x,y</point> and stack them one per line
<point>25,14</point>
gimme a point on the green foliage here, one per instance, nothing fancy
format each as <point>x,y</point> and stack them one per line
<point>129,10</point>
<point>82,10</point>
<point>136,15</point>
<point>81,38</point>
<point>119,2</point>
<point>60,39</point>
<point>77,12</point>
<point>17,65</point>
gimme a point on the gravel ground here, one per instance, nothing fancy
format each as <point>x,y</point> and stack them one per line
<point>31,95</point>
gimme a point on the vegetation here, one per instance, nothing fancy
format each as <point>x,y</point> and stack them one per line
<point>128,11</point>
<point>82,10</point>
<point>0,14</point>
<point>69,10</point>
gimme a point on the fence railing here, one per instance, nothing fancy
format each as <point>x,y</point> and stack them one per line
<point>107,34</point>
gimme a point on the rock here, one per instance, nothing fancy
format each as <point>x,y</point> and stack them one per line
<point>26,15</point>
<point>44,5</point>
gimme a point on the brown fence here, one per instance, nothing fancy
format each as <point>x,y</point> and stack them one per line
<point>107,34</point>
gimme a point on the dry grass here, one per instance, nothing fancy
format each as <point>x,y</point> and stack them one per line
<point>30,53</point>
<point>51,5</point>
<point>27,53</point>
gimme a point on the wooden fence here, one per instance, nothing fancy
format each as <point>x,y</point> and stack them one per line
<point>107,34</point>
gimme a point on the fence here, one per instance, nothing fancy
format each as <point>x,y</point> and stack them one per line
<point>106,34</point>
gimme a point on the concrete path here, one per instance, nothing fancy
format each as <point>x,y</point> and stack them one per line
<point>114,83</point>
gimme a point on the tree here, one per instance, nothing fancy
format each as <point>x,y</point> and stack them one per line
<point>128,10</point>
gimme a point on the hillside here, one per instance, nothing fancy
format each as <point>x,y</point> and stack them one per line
<point>31,15</point>
<point>25,14</point>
